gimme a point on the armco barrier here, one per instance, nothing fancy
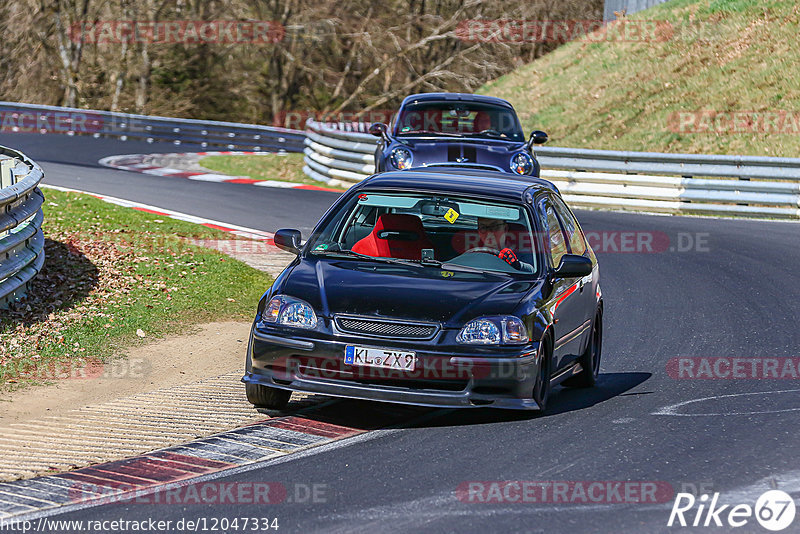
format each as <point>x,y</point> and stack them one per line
<point>21,238</point>
<point>17,117</point>
<point>737,186</point>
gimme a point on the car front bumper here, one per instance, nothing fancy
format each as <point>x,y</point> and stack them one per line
<point>314,363</point>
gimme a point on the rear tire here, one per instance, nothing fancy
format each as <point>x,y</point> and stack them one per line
<point>590,359</point>
<point>267,397</point>
<point>541,391</point>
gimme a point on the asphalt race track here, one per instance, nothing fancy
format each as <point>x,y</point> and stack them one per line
<point>736,295</point>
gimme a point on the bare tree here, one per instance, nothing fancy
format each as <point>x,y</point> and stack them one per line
<point>336,55</point>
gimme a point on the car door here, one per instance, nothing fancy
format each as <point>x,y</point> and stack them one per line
<point>565,303</point>
<point>576,243</point>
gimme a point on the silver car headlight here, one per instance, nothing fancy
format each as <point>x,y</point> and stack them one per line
<point>289,311</point>
<point>494,330</point>
<point>522,163</point>
<point>401,158</point>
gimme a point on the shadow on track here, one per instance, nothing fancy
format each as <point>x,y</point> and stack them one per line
<point>371,415</point>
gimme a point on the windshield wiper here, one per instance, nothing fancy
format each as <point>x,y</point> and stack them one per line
<point>427,262</point>
<point>493,135</point>
<point>427,132</point>
<point>352,254</point>
<point>446,266</point>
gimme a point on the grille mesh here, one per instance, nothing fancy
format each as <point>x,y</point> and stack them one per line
<point>381,328</point>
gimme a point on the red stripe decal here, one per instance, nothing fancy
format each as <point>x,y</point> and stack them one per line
<point>565,294</point>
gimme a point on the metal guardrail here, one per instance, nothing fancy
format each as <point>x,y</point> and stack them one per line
<point>17,117</point>
<point>21,238</point>
<point>738,186</point>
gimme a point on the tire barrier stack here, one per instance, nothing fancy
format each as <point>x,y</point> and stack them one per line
<point>21,238</point>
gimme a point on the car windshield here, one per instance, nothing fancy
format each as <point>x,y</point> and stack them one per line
<point>458,119</point>
<point>419,229</point>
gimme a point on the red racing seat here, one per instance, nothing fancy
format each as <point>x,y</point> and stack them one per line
<point>395,236</point>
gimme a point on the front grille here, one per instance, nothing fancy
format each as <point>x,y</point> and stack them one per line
<point>386,328</point>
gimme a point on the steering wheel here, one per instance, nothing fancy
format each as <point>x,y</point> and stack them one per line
<point>498,254</point>
<point>484,250</point>
<point>491,131</point>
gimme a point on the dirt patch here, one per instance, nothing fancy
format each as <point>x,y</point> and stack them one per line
<point>257,254</point>
<point>216,349</point>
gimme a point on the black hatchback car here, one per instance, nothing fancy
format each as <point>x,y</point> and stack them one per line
<point>445,287</point>
<point>455,129</point>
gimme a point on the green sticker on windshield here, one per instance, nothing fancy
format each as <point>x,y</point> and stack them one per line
<point>322,247</point>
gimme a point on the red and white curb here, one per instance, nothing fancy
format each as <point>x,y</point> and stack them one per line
<point>241,231</point>
<point>133,478</point>
<point>137,163</point>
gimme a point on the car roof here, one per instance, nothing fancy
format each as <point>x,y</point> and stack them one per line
<point>463,97</point>
<point>458,180</point>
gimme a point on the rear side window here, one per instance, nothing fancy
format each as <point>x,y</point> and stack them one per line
<point>555,235</point>
<point>577,241</point>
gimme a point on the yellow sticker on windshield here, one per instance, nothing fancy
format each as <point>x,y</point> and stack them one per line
<point>451,215</point>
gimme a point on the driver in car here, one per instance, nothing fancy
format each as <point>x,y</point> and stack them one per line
<point>495,234</point>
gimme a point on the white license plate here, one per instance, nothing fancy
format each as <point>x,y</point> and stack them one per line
<point>384,358</point>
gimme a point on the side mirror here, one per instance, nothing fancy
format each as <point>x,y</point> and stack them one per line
<point>378,129</point>
<point>538,137</point>
<point>288,240</point>
<point>573,266</point>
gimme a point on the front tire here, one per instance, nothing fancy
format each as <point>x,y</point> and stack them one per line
<point>541,391</point>
<point>590,359</point>
<point>267,397</point>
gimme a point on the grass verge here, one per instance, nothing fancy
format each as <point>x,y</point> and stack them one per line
<point>285,167</point>
<point>114,277</point>
<point>716,56</point>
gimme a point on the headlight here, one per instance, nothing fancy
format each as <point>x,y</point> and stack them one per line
<point>401,158</point>
<point>491,330</point>
<point>289,311</point>
<point>522,163</point>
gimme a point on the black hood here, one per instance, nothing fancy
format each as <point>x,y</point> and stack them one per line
<point>334,286</point>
